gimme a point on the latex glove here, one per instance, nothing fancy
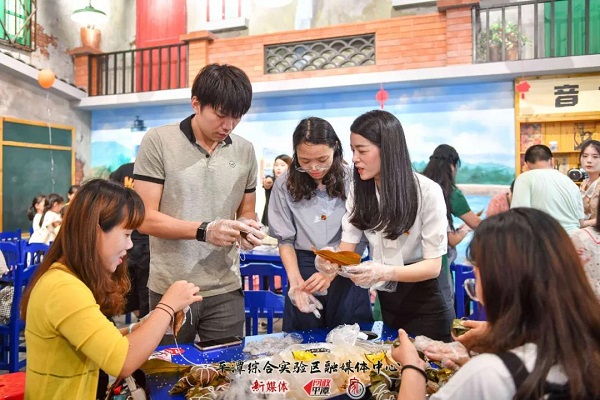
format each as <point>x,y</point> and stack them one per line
<point>404,352</point>
<point>252,237</point>
<point>304,301</point>
<point>451,355</point>
<point>369,274</point>
<point>225,232</point>
<point>326,267</point>
<point>317,284</point>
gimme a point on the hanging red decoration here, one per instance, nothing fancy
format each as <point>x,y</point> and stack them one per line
<point>523,87</point>
<point>382,96</point>
<point>46,78</point>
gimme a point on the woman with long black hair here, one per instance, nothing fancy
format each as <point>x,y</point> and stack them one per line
<point>403,216</point>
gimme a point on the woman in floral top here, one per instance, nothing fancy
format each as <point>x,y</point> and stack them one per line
<point>589,159</point>
<point>587,242</point>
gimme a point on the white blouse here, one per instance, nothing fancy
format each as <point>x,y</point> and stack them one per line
<point>426,239</point>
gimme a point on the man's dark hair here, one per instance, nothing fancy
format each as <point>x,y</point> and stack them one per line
<point>224,88</point>
<point>538,152</point>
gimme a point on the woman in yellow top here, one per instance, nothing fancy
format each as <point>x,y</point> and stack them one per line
<point>83,278</point>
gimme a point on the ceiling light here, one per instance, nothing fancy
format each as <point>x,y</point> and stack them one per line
<point>89,16</point>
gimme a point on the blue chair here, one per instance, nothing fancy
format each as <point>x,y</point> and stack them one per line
<point>11,252</point>
<point>461,274</point>
<point>10,345</point>
<point>261,304</point>
<point>266,272</point>
<point>33,253</point>
<point>12,237</point>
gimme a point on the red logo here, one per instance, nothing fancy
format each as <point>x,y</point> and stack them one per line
<point>355,389</point>
<point>318,387</point>
<point>174,350</point>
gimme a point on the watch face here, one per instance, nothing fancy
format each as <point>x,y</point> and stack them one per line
<point>201,233</point>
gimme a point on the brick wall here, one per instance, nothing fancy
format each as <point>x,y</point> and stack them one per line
<point>418,41</point>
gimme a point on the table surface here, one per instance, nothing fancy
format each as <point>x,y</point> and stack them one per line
<point>159,385</point>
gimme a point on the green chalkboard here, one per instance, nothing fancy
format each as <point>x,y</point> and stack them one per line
<point>28,171</point>
<point>19,132</point>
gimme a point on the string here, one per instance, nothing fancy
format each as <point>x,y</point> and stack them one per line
<point>52,176</point>
<point>177,344</point>
<point>242,258</point>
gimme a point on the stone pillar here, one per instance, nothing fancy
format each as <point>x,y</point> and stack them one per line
<point>198,44</point>
<point>459,29</point>
<point>87,69</point>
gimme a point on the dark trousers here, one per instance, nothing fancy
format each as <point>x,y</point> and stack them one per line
<point>138,268</point>
<point>344,303</point>
<point>214,317</point>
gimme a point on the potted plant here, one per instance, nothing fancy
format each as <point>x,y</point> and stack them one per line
<point>491,41</point>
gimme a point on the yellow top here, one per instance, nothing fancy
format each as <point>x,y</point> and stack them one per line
<point>68,339</point>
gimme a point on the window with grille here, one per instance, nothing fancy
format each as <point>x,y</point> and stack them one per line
<point>16,22</point>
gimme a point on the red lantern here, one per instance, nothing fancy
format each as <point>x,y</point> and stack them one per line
<point>46,78</point>
<point>523,88</point>
<point>381,96</point>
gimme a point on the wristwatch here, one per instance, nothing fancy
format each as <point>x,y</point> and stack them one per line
<point>201,232</point>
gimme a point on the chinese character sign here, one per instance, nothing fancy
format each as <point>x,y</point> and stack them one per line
<point>566,95</point>
<point>569,94</point>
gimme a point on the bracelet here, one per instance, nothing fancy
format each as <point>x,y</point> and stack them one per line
<point>130,327</point>
<point>408,366</point>
<point>168,306</point>
<point>165,310</point>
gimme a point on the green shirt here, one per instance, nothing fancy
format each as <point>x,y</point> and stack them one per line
<point>458,203</point>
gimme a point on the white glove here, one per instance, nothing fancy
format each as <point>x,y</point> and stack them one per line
<point>451,355</point>
<point>226,232</point>
<point>371,274</point>
<point>253,237</point>
<point>304,301</point>
<point>326,267</point>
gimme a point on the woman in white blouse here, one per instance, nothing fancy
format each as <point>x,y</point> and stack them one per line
<point>403,215</point>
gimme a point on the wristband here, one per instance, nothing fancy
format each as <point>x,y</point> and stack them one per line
<point>408,366</point>
<point>130,328</point>
<point>165,310</point>
<point>168,306</point>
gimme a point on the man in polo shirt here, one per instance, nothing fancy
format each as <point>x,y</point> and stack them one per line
<point>547,189</point>
<point>195,178</point>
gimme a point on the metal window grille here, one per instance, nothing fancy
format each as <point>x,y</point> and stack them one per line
<point>17,19</point>
<point>350,51</point>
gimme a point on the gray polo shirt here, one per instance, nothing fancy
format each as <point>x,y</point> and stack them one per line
<point>197,186</point>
